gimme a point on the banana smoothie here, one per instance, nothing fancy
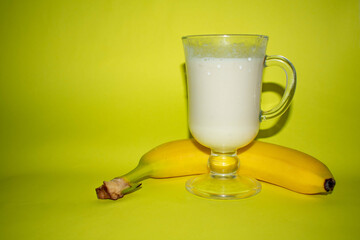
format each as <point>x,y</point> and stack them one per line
<point>224,100</point>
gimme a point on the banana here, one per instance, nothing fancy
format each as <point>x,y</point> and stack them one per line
<point>267,162</point>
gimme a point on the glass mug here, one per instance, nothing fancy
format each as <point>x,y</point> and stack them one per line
<point>224,78</point>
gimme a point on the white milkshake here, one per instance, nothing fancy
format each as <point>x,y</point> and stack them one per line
<point>224,101</point>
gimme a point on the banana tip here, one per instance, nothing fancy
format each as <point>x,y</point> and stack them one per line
<point>329,184</point>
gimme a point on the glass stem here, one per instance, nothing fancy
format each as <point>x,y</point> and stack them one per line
<point>223,164</point>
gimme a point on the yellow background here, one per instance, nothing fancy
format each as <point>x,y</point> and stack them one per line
<point>87,87</point>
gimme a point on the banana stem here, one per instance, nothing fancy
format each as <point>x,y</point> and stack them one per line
<point>141,172</point>
<point>128,183</point>
<point>131,189</point>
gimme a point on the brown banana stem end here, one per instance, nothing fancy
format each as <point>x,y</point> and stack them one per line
<point>112,189</point>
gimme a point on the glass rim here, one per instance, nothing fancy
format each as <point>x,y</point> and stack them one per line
<point>223,35</point>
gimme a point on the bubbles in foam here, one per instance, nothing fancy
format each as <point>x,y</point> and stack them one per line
<point>249,59</point>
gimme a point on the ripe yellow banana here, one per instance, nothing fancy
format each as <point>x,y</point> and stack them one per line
<point>267,162</point>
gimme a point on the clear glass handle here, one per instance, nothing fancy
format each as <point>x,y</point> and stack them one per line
<point>285,101</point>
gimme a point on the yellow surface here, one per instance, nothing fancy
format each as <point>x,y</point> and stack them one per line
<point>87,87</point>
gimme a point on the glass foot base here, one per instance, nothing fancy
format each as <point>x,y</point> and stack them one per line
<point>226,187</point>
